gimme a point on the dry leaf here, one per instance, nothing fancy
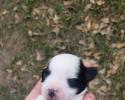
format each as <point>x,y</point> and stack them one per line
<point>100,2</point>
<point>17,18</point>
<point>106,31</point>
<point>67,3</point>
<point>36,76</point>
<point>94,83</point>
<point>51,11</point>
<point>103,25</point>
<point>103,88</point>
<point>39,56</point>
<point>19,63</point>
<point>56,30</point>
<point>102,71</point>
<point>108,81</point>
<point>92,1</point>
<point>82,42</point>
<point>113,68</point>
<point>97,55</point>
<point>4,12</point>
<point>9,71</point>
<point>24,69</point>
<point>13,90</point>
<point>88,24</point>
<point>87,18</point>
<point>118,45</point>
<point>122,31</point>
<point>86,53</point>
<point>105,20</point>
<point>1,44</point>
<point>124,93</point>
<point>95,26</point>
<point>15,8</point>
<point>14,78</point>
<point>56,19</point>
<point>36,11</point>
<point>30,33</point>
<point>79,27</point>
<point>88,6</point>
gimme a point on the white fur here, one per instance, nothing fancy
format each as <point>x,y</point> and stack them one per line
<point>62,67</point>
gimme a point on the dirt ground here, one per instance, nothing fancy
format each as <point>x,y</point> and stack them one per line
<point>32,31</point>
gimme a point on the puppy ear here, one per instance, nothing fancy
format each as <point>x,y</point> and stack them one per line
<point>90,73</point>
<point>45,73</point>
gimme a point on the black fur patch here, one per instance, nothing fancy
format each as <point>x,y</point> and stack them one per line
<point>82,80</point>
<point>45,73</point>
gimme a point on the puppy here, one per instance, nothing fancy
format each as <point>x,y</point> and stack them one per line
<point>65,78</point>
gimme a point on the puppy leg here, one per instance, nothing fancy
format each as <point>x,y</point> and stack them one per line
<point>40,97</point>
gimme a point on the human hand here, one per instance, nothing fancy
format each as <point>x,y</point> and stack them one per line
<point>36,91</point>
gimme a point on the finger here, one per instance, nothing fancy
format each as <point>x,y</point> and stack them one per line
<point>35,91</point>
<point>90,63</point>
<point>89,96</point>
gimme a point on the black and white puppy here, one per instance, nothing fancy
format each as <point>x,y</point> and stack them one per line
<point>65,78</point>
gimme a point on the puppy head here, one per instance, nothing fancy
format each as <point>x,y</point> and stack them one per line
<point>65,77</point>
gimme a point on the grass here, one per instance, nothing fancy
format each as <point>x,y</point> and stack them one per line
<point>49,43</point>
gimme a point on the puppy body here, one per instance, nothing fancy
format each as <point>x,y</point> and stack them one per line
<point>65,78</point>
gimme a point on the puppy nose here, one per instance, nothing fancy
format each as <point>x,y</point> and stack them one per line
<point>51,93</point>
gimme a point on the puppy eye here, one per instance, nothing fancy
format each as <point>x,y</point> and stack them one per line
<point>73,82</point>
<point>45,73</point>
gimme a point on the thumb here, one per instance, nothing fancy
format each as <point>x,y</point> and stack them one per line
<point>89,96</point>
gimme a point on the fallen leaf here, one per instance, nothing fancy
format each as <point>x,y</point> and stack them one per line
<point>36,76</point>
<point>108,81</point>
<point>19,63</point>
<point>56,19</point>
<point>118,45</point>
<point>36,11</point>
<point>39,56</point>
<point>4,12</point>
<point>124,94</point>
<point>88,6</point>
<point>67,3</point>
<point>89,24</point>
<point>94,83</point>
<point>102,71</point>
<point>82,42</point>
<point>51,11</point>
<point>105,20</point>
<point>24,69</point>
<point>13,90</point>
<point>92,1</point>
<point>56,30</point>
<point>122,31</point>
<point>30,33</point>
<point>103,88</point>
<point>100,2</point>
<point>113,68</point>
<point>79,27</point>
<point>17,18</point>
<point>97,55</point>
<point>1,44</point>
<point>9,71</point>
